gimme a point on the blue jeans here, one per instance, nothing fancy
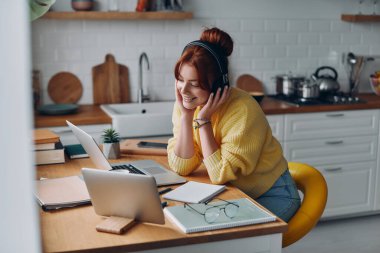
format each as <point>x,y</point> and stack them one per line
<point>282,198</point>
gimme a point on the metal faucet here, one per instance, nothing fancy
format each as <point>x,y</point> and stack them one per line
<point>140,95</point>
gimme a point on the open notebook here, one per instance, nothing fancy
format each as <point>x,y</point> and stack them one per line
<point>190,221</point>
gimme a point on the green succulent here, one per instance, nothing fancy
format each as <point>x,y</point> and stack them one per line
<point>110,136</point>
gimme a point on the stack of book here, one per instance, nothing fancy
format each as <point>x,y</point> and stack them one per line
<point>48,148</point>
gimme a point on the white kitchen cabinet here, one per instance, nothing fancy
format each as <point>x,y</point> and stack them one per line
<point>67,137</point>
<point>276,123</point>
<point>306,126</point>
<point>343,145</point>
<point>351,187</point>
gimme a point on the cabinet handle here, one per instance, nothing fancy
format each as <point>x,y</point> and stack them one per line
<point>335,115</point>
<point>333,169</point>
<point>334,142</point>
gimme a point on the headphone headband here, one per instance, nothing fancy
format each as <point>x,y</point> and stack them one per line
<point>219,57</point>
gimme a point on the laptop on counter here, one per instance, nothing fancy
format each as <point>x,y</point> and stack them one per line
<point>162,175</point>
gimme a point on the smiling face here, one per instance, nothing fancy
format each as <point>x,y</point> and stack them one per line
<point>188,85</point>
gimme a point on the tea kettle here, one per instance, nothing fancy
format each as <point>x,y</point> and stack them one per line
<point>327,83</point>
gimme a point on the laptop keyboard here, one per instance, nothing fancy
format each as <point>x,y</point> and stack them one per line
<point>129,167</point>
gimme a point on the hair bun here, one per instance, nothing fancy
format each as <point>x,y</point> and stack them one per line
<point>220,38</point>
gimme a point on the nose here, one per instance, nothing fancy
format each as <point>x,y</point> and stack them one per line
<point>185,87</point>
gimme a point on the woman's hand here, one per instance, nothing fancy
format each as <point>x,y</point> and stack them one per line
<point>189,113</point>
<point>214,102</point>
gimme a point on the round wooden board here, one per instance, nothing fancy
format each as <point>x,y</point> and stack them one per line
<point>249,83</point>
<point>65,88</point>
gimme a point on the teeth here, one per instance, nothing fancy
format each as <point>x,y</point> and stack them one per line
<point>188,99</point>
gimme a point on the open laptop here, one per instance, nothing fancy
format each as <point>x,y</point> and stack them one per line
<point>126,195</point>
<point>162,175</point>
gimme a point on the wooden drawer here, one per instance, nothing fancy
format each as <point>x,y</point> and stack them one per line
<point>350,188</point>
<point>332,150</point>
<point>331,124</point>
<point>276,123</point>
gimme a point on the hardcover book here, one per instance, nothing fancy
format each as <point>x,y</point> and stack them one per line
<point>190,221</point>
<point>51,156</point>
<point>75,151</point>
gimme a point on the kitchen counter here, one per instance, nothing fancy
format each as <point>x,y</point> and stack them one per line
<point>86,115</point>
<point>92,114</point>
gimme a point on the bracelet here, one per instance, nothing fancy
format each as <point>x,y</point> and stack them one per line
<point>199,125</point>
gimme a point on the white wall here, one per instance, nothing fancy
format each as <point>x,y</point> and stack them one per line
<point>271,37</point>
<point>18,213</point>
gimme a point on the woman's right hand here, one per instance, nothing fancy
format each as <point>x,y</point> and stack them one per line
<point>188,113</point>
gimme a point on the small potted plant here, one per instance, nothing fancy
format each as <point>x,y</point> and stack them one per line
<point>111,143</point>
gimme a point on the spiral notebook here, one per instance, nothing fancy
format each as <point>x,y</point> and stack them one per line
<point>190,221</point>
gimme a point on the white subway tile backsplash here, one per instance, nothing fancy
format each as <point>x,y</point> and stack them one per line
<point>320,26</point>
<point>308,38</point>
<point>264,38</point>
<point>297,51</point>
<point>287,38</point>
<point>228,25</point>
<point>319,51</point>
<point>251,51</point>
<point>298,26</point>
<point>252,25</point>
<point>275,26</point>
<point>330,38</point>
<point>266,43</point>
<point>164,39</point>
<point>351,38</point>
<point>339,26</point>
<point>263,64</point>
<point>67,55</point>
<point>275,51</point>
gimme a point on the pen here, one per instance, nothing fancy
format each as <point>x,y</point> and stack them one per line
<point>165,191</point>
<point>163,204</point>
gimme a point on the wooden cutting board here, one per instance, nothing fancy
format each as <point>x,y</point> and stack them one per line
<point>249,83</point>
<point>110,82</point>
<point>130,147</point>
<point>65,88</point>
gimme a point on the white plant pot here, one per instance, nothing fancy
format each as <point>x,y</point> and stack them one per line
<point>111,150</point>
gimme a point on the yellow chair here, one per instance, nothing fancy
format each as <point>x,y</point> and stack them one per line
<point>313,185</point>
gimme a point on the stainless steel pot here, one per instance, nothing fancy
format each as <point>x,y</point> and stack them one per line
<point>308,89</point>
<point>287,84</point>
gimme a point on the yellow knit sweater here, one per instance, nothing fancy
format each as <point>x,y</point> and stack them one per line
<point>249,156</point>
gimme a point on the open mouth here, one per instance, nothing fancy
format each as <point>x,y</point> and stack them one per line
<point>188,100</point>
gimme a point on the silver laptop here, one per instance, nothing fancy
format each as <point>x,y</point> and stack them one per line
<point>126,195</point>
<point>162,175</point>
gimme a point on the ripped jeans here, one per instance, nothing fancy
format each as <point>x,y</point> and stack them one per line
<point>282,198</point>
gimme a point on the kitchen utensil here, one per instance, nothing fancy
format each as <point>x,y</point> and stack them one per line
<point>287,84</point>
<point>327,83</point>
<point>57,109</point>
<point>308,89</point>
<point>65,88</point>
<point>356,74</point>
<point>249,83</point>
<point>110,82</point>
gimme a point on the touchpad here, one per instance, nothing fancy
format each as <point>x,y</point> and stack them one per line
<point>154,170</point>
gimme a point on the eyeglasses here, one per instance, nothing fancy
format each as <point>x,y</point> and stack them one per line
<point>212,213</point>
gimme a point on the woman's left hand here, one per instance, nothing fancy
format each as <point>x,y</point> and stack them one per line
<point>214,102</point>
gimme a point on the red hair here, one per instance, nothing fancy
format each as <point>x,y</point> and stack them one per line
<point>202,60</point>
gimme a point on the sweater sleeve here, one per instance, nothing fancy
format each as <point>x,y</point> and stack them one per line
<point>243,131</point>
<point>178,164</point>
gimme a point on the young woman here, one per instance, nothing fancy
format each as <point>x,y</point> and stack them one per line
<point>226,129</point>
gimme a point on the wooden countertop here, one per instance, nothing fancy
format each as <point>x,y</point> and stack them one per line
<point>86,115</point>
<point>73,229</point>
<point>92,114</point>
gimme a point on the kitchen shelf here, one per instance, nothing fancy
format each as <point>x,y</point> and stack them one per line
<point>99,15</point>
<point>360,18</point>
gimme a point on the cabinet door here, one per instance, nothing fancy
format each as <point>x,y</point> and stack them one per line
<point>276,123</point>
<point>333,150</point>
<point>331,124</point>
<point>350,187</point>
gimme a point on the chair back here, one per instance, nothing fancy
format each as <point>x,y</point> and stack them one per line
<point>314,188</point>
